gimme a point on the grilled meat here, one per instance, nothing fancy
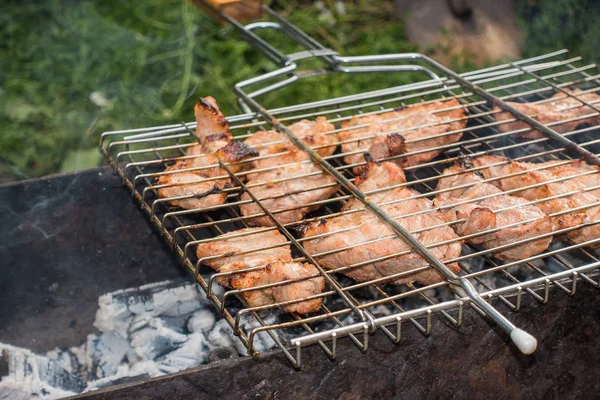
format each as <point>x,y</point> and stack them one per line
<point>286,177</point>
<point>232,244</point>
<point>419,128</point>
<point>200,189</point>
<point>234,153</point>
<point>313,133</point>
<point>541,174</point>
<point>562,107</point>
<point>209,119</point>
<point>481,205</point>
<point>260,265</point>
<point>198,172</point>
<point>351,234</point>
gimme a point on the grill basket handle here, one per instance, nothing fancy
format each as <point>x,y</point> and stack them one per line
<point>225,11</point>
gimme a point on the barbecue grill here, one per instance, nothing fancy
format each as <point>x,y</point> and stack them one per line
<point>356,309</point>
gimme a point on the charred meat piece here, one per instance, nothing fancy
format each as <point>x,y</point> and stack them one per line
<point>255,257</point>
<point>486,207</point>
<point>194,176</point>
<point>210,121</point>
<point>412,129</point>
<point>234,153</point>
<point>353,236</point>
<point>562,107</point>
<point>550,180</point>
<point>198,188</point>
<point>213,143</point>
<point>285,176</point>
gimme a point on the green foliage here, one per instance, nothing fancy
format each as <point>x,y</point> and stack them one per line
<point>71,70</point>
<point>549,25</point>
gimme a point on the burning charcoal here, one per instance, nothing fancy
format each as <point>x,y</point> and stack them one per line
<point>262,340</point>
<point>112,316</point>
<point>144,367</point>
<point>201,321</point>
<point>65,359</point>
<point>192,353</point>
<point>222,336</point>
<point>106,352</point>
<point>24,375</point>
<point>178,301</point>
<point>168,299</point>
<point>156,340</point>
<point>139,322</point>
<point>178,324</point>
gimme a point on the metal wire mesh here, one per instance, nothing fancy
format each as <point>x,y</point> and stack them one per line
<point>356,308</point>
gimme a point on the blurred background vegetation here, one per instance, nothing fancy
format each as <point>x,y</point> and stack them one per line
<point>73,69</point>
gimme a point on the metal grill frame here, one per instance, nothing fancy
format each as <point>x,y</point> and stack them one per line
<point>452,310</point>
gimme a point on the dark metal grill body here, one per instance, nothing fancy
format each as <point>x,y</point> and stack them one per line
<point>353,308</point>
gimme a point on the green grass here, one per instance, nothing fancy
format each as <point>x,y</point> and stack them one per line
<point>548,25</point>
<point>145,62</point>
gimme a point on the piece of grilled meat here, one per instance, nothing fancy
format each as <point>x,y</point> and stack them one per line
<point>486,207</point>
<point>350,235</point>
<point>210,121</point>
<point>562,107</point>
<point>550,180</point>
<point>285,176</point>
<point>193,178</point>
<point>256,257</point>
<point>409,130</point>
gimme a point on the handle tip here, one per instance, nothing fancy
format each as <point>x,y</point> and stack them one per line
<point>524,341</point>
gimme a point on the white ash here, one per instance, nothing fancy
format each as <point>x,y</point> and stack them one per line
<point>201,321</point>
<point>150,331</point>
<point>144,332</point>
<point>25,375</point>
<point>158,329</point>
<point>105,353</point>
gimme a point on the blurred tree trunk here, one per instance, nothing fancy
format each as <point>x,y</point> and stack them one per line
<point>480,31</point>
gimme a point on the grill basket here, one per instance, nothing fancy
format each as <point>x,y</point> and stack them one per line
<point>356,309</point>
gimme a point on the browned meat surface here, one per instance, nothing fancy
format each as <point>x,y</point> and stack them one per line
<point>248,254</point>
<point>412,129</point>
<point>209,119</point>
<point>235,153</point>
<point>542,175</point>
<point>286,177</point>
<point>352,233</point>
<point>481,209</point>
<point>196,177</point>
<point>196,188</point>
<point>231,244</point>
<point>280,271</point>
<point>561,108</point>
<point>313,133</point>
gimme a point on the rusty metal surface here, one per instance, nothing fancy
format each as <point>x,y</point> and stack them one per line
<point>62,247</point>
<point>474,362</point>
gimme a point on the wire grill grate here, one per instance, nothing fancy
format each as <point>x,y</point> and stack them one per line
<point>357,308</point>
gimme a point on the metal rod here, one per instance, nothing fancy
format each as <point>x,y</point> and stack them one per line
<point>525,342</point>
<point>570,145</point>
